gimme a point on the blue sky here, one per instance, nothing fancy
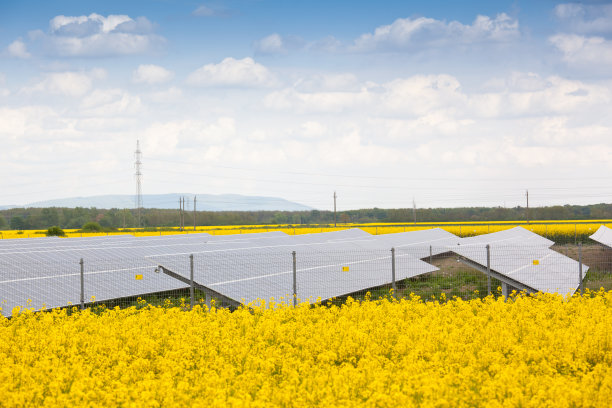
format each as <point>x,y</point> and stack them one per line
<point>447,103</point>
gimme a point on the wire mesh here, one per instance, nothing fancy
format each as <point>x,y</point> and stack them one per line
<point>38,279</point>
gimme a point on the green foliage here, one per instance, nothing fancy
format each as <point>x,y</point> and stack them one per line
<point>17,223</point>
<point>42,218</point>
<point>91,226</point>
<point>55,232</point>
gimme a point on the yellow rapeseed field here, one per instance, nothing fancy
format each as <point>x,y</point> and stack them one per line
<point>559,231</point>
<point>531,351</point>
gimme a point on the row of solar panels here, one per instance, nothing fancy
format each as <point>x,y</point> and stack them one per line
<point>46,271</point>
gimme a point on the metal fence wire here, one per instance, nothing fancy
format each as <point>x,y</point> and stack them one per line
<point>292,275</point>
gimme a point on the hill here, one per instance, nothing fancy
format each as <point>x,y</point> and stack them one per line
<point>204,202</point>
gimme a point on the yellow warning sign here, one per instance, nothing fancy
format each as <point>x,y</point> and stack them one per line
<point>345,269</point>
<point>536,262</point>
<point>138,277</point>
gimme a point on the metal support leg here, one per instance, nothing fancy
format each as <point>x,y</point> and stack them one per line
<point>393,271</point>
<point>580,267</point>
<point>505,290</point>
<point>294,279</point>
<point>82,284</point>
<point>191,286</point>
<point>488,269</point>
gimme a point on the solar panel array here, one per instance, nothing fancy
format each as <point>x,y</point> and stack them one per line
<point>525,259</point>
<point>47,274</point>
<point>327,265</point>
<point>245,267</point>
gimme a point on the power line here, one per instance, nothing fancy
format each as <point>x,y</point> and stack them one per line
<point>251,169</point>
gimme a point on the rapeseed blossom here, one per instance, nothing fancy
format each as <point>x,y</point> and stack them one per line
<point>529,351</point>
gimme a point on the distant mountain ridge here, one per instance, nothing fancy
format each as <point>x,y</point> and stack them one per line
<point>204,202</point>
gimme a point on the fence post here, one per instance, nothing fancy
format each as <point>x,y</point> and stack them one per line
<point>82,284</point>
<point>580,267</point>
<point>191,286</point>
<point>294,279</point>
<point>575,233</point>
<point>393,271</point>
<point>489,268</point>
<point>430,254</point>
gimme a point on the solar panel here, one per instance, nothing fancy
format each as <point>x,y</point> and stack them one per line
<point>48,272</point>
<point>512,236</point>
<point>535,268</point>
<point>332,236</point>
<point>603,235</point>
<point>420,244</point>
<point>324,269</point>
<point>522,259</point>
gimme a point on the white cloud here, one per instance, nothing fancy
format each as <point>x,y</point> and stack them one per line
<point>151,74</point>
<point>586,18</point>
<point>313,129</point>
<point>203,11</point>
<point>165,138</point>
<point>317,102</point>
<point>18,49</point>
<point>232,72</point>
<point>207,11</point>
<point>408,33</point>
<point>327,44</point>
<point>329,82</point>
<point>111,103</point>
<point>438,101</point>
<point>272,44</point>
<point>588,52</point>
<point>277,44</point>
<point>96,35</point>
<point>171,95</point>
<point>73,84</point>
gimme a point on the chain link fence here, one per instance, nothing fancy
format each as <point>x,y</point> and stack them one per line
<point>292,275</point>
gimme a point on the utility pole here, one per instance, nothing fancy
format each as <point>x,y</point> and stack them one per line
<point>138,174</point>
<point>527,195</point>
<point>414,209</point>
<point>335,208</point>
<point>194,212</point>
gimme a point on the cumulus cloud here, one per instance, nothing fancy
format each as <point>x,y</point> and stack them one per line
<point>73,84</point>
<point>408,33</point>
<point>276,44</point>
<point>579,50</point>
<point>172,95</point>
<point>96,35</point>
<point>234,73</point>
<point>585,18</point>
<point>329,82</point>
<point>439,101</point>
<point>111,102</point>
<point>18,49</point>
<point>208,11</point>
<point>151,74</point>
<point>272,44</point>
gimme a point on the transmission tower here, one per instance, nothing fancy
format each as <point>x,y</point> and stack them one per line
<point>138,174</point>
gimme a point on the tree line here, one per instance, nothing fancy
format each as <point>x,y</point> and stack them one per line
<point>43,218</point>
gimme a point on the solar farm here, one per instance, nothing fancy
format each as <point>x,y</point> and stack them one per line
<point>46,273</point>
